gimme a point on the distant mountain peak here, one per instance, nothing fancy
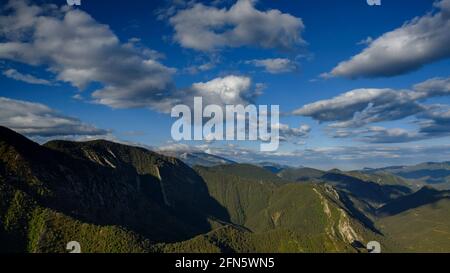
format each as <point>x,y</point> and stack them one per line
<point>193,158</point>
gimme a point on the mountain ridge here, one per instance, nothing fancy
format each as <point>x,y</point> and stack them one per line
<point>118,198</point>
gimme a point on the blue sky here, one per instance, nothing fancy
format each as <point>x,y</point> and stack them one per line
<point>112,71</point>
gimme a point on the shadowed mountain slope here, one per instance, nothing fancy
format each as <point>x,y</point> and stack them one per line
<point>100,183</point>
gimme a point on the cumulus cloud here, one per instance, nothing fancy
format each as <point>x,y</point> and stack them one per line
<point>16,75</point>
<point>436,122</point>
<point>225,90</point>
<point>207,28</point>
<point>365,41</point>
<point>194,69</point>
<point>360,107</point>
<point>433,88</point>
<point>390,135</point>
<point>356,109</point>
<point>178,147</point>
<point>81,51</point>
<point>38,120</point>
<point>275,66</point>
<point>287,132</point>
<point>416,43</point>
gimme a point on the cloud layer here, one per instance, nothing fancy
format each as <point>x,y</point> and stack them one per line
<point>38,120</point>
<point>16,75</point>
<point>207,28</point>
<point>286,132</point>
<point>416,43</point>
<point>344,157</point>
<point>275,66</point>
<point>225,90</point>
<point>362,107</point>
<point>81,51</point>
<point>359,107</point>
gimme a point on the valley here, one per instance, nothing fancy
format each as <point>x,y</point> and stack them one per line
<point>111,197</point>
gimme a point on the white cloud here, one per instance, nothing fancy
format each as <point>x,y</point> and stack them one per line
<point>286,132</point>
<point>194,69</point>
<point>416,43</point>
<point>366,41</point>
<point>362,107</point>
<point>433,88</point>
<point>377,134</point>
<point>80,50</point>
<point>436,122</point>
<point>178,147</point>
<point>392,135</point>
<point>207,28</point>
<point>359,107</point>
<point>227,90</point>
<point>77,97</point>
<point>16,75</point>
<point>275,66</point>
<point>38,120</point>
